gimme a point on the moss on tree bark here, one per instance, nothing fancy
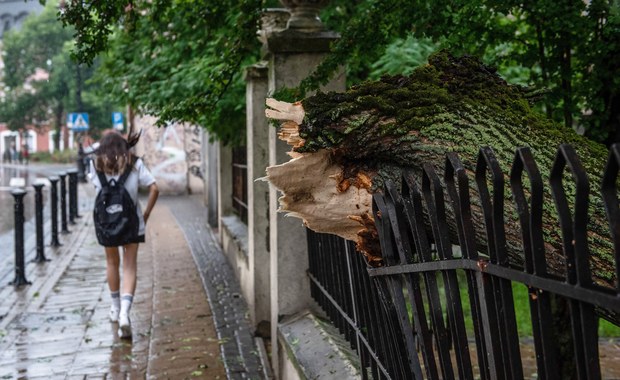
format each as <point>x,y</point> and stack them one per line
<point>374,130</point>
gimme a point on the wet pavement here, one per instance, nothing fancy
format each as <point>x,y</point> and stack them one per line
<point>189,318</point>
<point>58,327</point>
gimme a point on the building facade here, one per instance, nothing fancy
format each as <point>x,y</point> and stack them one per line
<point>14,12</point>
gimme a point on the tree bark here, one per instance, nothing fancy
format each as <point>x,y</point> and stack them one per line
<point>346,145</point>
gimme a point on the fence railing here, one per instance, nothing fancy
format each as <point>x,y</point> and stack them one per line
<point>439,308</point>
<point>240,183</point>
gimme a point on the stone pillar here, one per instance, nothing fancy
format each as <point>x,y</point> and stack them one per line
<point>258,193</point>
<point>293,54</point>
<point>171,153</point>
<point>224,181</point>
<point>195,174</point>
<point>211,157</point>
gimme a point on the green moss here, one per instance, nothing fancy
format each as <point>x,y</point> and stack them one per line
<point>452,104</point>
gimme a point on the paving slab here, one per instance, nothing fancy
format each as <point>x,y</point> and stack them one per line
<point>58,327</point>
<point>239,348</point>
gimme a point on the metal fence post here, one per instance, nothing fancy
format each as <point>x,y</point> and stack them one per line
<point>73,202</point>
<point>20,270</point>
<point>54,206</point>
<point>38,210</point>
<point>63,203</point>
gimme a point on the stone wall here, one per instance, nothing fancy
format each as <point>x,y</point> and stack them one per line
<point>172,153</point>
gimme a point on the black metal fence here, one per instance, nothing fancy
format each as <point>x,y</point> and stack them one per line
<point>240,183</point>
<point>433,311</point>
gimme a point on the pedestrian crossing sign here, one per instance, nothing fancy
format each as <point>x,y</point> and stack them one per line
<point>77,122</point>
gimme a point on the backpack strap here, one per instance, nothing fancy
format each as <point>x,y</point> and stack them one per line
<point>127,171</point>
<point>102,178</point>
<point>122,178</point>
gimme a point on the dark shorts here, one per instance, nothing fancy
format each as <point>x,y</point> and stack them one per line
<point>139,239</point>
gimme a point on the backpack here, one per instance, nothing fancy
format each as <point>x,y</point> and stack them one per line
<point>115,215</point>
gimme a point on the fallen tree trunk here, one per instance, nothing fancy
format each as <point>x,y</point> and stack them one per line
<point>346,145</point>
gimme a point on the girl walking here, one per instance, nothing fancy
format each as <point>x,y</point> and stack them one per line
<point>115,166</point>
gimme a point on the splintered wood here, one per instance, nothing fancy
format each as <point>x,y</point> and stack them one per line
<point>312,183</point>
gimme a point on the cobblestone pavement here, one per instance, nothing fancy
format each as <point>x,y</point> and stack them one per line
<point>57,327</point>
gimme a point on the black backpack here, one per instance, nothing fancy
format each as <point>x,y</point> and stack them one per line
<point>115,215</point>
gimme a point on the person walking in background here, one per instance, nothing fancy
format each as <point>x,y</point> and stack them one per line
<point>25,154</point>
<point>12,153</point>
<point>117,175</point>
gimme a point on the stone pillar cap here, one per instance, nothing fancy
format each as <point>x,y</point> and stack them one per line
<point>257,70</point>
<point>295,41</point>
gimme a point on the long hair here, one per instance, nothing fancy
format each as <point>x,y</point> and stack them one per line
<point>114,153</point>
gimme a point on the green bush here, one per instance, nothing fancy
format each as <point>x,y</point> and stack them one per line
<point>58,157</point>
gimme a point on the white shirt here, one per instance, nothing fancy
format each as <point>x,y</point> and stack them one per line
<point>140,176</point>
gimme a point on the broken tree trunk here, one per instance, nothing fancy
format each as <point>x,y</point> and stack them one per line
<point>346,145</point>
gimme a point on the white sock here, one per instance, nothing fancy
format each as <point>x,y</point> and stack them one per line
<point>126,301</point>
<point>116,300</point>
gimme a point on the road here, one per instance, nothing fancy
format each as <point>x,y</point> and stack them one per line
<point>30,174</point>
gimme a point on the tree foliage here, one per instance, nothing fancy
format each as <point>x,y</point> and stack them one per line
<point>33,46</point>
<point>176,60</point>
<point>570,47</point>
<point>43,43</point>
<point>179,59</point>
<point>27,101</point>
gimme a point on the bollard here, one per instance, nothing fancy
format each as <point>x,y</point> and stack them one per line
<point>63,203</point>
<point>73,204</point>
<point>38,212</point>
<point>54,205</point>
<point>20,268</point>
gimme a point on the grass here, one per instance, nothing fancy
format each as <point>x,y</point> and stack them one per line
<point>522,310</point>
<point>521,304</point>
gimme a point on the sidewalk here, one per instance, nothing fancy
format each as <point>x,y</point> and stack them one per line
<point>58,327</point>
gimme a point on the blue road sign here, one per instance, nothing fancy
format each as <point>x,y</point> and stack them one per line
<point>117,120</point>
<point>77,122</point>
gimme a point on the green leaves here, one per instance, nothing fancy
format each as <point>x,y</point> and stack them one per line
<point>39,39</point>
<point>403,56</point>
<point>182,60</point>
<point>93,23</point>
<point>43,46</point>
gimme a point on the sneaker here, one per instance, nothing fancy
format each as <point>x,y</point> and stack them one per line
<point>124,326</point>
<point>114,314</point>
